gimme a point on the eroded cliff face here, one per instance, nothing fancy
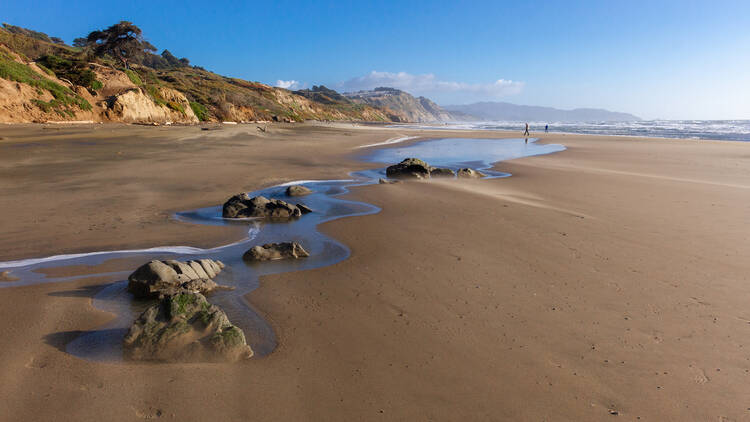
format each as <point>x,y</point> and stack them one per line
<point>22,103</point>
<point>135,106</point>
<point>119,99</point>
<point>401,105</point>
<point>316,110</point>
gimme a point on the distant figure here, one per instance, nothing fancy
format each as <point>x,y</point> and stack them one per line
<point>546,128</point>
<point>526,132</point>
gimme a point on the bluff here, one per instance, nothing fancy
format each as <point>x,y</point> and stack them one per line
<point>402,106</point>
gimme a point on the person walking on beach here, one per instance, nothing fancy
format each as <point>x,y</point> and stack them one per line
<point>526,132</point>
<point>546,128</point>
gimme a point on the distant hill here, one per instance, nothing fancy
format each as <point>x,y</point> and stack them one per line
<point>401,105</point>
<point>501,111</point>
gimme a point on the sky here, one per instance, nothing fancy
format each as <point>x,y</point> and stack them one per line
<point>656,59</point>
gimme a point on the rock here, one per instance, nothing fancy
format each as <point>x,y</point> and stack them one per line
<point>470,173</point>
<point>185,328</point>
<point>297,190</point>
<point>198,268</point>
<point>388,181</point>
<point>7,276</point>
<point>441,172</point>
<point>273,251</point>
<point>162,278</point>
<point>209,266</point>
<point>185,268</point>
<point>409,168</point>
<point>304,209</point>
<point>242,206</point>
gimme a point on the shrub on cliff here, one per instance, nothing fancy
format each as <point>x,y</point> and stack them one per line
<point>134,78</point>
<point>64,98</point>
<point>201,112</point>
<point>75,71</point>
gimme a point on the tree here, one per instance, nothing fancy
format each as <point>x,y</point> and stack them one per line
<point>123,41</point>
<point>170,58</point>
<point>80,42</point>
<point>174,61</point>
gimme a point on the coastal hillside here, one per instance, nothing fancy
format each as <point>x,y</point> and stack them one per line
<point>43,79</point>
<point>402,105</point>
<point>501,111</point>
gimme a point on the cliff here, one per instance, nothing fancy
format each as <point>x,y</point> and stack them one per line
<point>401,105</point>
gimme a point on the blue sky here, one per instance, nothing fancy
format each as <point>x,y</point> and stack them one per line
<point>656,59</point>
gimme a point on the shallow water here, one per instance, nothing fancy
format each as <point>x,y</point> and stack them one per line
<point>104,344</point>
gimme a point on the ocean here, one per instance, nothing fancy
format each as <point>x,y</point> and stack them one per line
<point>724,130</point>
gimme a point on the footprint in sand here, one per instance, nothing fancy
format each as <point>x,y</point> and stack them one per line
<point>149,413</point>
<point>699,375</point>
<point>35,363</point>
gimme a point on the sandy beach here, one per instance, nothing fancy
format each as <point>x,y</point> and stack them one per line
<point>608,280</point>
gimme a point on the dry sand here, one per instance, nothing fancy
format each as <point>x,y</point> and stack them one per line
<point>610,280</point>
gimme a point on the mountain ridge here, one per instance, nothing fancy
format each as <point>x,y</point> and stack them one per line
<point>504,111</point>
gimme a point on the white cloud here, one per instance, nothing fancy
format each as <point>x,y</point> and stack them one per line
<point>288,84</point>
<point>428,84</point>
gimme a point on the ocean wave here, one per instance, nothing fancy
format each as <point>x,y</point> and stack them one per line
<point>722,130</point>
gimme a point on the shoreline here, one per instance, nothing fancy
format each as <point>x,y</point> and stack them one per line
<point>361,125</point>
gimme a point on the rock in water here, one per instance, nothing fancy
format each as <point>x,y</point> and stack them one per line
<point>162,278</point>
<point>441,172</point>
<point>273,251</point>
<point>470,173</point>
<point>409,168</point>
<point>243,206</point>
<point>185,328</point>
<point>297,190</point>
<point>304,209</point>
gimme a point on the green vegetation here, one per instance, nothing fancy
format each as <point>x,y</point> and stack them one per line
<point>229,336</point>
<point>176,107</point>
<point>26,46</point>
<point>96,85</point>
<point>201,112</point>
<point>180,302</point>
<point>41,36</point>
<point>75,71</point>
<point>64,98</point>
<point>123,41</point>
<point>45,69</point>
<point>134,78</point>
<point>153,92</point>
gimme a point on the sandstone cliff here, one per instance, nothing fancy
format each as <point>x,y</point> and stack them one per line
<point>401,105</point>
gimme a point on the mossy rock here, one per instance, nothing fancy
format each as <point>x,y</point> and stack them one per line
<point>185,327</point>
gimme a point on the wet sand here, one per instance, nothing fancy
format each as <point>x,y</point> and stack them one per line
<point>610,278</point>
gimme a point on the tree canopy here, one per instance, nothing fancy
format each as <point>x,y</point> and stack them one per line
<point>123,40</point>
